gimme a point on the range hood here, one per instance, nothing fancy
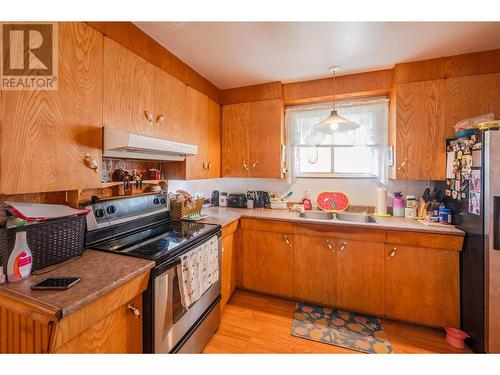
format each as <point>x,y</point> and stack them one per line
<point>119,144</point>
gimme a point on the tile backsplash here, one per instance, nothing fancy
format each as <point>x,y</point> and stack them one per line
<point>361,192</point>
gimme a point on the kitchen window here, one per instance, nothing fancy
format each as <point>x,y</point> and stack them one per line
<point>359,153</point>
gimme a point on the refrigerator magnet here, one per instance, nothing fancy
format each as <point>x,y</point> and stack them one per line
<point>476,159</point>
<point>454,194</point>
<point>475,181</point>
<point>447,193</point>
<point>474,199</point>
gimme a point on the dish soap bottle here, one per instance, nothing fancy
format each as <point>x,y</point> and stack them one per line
<point>306,201</point>
<point>20,260</point>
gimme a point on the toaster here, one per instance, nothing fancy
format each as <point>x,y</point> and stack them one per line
<point>237,200</point>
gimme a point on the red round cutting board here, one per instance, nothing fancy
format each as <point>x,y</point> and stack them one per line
<point>326,198</point>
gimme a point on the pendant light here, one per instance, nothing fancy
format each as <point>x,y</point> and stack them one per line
<point>335,123</point>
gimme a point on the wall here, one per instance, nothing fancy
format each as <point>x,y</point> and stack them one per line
<point>361,192</point>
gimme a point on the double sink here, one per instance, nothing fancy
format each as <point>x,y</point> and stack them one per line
<point>340,216</point>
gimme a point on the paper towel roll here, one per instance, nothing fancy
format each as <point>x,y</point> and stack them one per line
<point>382,201</point>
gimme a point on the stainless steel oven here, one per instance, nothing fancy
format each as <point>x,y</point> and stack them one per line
<point>175,327</point>
<point>141,227</point>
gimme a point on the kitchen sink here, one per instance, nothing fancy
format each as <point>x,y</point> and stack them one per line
<point>322,215</point>
<point>355,217</point>
<point>340,216</point>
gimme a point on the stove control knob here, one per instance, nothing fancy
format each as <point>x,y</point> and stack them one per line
<point>99,213</point>
<point>156,201</point>
<point>111,210</point>
<point>163,201</point>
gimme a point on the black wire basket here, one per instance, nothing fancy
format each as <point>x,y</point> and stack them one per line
<point>50,242</point>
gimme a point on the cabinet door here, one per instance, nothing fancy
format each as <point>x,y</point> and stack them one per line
<point>213,140</point>
<point>267,262</point>
<point>45,134</point>
<point>266,138</point>
<point>119,332</point>
<point>171,102</point>
<point>471,96</point>
<point>360,276</point>
<point>197,128</point>
<point>228,269</point>
<point>314,269</point>
<point>422,285</point>
<point>236,139</point>
<point>421,130</point>
<point>128,90</point>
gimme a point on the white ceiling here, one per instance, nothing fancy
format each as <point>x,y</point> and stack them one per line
<point>235,54</point>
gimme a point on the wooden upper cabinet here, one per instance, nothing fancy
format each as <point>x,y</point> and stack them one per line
<point>203,129</point>
<point>422,285</point>
<point>171,102</point>
<point>235,139</point>
<point>46,134</point>
<point>213,140</point>
<point>360,276</point>
<point>420,131</point>
<point>314,269</point>
<point>471,96</point>
<point>128,91</point>
<point>267,262</point>
<point>252,135</point>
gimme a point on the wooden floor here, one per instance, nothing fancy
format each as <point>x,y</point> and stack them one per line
<point>254,323</point>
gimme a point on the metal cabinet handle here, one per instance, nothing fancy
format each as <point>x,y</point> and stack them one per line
<point>329,245</point>
<point>204,165</point>
<point>149,116</point>
<point>222,250</point>
<point>209,165</point>
<point>254,164</point>
<point>343,246</point>
<point>393,253</point>
<point>245,167</point>
<point>135,310</point>
<point>287,241</point>
<point>403,164</point>
<point>160,119</point>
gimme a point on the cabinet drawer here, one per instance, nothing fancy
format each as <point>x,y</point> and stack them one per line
<point>343,233</point>
<point>267,225</point>
<point>433,241</point>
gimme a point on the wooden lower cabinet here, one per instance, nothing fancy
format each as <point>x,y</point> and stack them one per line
<point>118,332</point>
<point>422,285</point>
<point>110,324</point>
<point>228,277</point>
<point>360,276</point>
<point>267,262</point>
<point>314,269</point>
<point>403,281</point>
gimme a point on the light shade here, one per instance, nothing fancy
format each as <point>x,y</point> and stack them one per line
<point>335,123</point>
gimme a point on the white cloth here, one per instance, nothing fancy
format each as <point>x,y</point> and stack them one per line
<point>198,270</point>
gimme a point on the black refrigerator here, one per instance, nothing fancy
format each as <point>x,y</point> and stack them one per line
<point>472,179</point>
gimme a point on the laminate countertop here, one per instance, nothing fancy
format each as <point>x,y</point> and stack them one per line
<point>100,273</point>
<point>226,215</point>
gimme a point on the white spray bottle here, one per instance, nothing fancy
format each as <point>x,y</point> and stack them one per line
<point>20,260</point>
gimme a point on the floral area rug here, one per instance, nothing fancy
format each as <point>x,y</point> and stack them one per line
<point>349,330</point>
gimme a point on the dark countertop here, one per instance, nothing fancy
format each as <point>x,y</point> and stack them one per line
<point>100,273</point>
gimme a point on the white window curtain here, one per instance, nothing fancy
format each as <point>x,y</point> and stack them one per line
<point>372,115</point>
